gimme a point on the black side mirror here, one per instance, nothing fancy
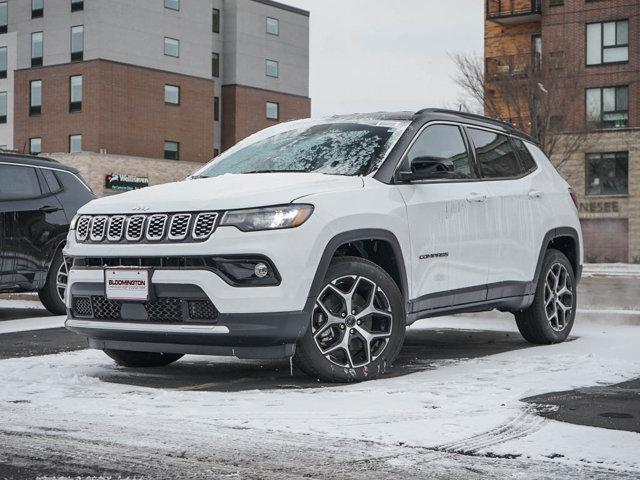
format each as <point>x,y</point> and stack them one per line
<point>428,168</point>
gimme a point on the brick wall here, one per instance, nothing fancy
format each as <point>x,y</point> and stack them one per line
<point>123,110</point>
<point>244,111</point>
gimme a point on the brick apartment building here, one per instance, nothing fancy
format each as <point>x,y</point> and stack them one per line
<point>158,79</point>
<point>594,46</point>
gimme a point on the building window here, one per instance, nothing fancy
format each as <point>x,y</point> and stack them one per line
<point>273,111</point>
<point>215,64</point>
<point>171,47</point>
<point>77,43</point>
<point>273,26</point>
<point>3,107</point>
<point>37,49</point>
<point>4,17</point>
<point>35,146</point>
<point>3,62</point>
<point>536,46</point>
<point>75,93</point>
<point>215,21</point>
<point>37,8</point>
<point>35,97</point>
<point>77,5</point>
<point>608,107</point>
<point>272,69</point>
<point>216,152</point>
<point>172,94</point>
<point>216,109</point>
<point>171,150</point>
<point>607,173</point>
<point>607,42</point>
<point>75,143</point>
<point>172,4</point>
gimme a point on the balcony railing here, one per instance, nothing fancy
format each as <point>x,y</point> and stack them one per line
<point>511,12</point>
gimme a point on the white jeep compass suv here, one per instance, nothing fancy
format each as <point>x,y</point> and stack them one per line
<point>323,240</point>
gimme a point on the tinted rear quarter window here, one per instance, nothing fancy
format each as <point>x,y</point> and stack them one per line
<point>52,180</point>
<point>18,182</point>
<point>527,160</point>
<point>496,155</point>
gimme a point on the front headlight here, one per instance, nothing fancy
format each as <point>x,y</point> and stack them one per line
<point>74,222</point>
<point>267,218</point>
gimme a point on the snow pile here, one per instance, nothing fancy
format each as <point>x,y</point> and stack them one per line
<point>611,269</point>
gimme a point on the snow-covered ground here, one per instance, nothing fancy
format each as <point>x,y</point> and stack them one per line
<point>611,269</point>
<point>471,406</point>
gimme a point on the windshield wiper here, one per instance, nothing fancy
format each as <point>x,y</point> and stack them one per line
<point>275,171</point>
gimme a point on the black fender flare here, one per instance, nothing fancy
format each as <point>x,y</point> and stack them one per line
<point>548,238</point>
<point>354,236</point>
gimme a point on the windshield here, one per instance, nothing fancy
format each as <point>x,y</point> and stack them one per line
<point>330,148</point>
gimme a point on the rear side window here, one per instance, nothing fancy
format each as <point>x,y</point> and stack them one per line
<point>52,180</point>
<point>527,160</point>
<point>496,155</point>
<point>18,182</point>
<point>443,143</point>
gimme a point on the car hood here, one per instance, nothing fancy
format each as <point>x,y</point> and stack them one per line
<point>222,193</point>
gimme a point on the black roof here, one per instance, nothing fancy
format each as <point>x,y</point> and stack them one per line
<point>34,161</point>
<point>472,118</point>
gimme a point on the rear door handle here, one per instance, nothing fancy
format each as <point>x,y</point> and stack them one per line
<point>533,194</point>
<point>49,209</point>
<point>476,198</point>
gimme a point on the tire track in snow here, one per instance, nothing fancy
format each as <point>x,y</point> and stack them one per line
<point>525,424</point>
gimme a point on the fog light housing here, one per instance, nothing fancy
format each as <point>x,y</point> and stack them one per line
<point>261,270</point>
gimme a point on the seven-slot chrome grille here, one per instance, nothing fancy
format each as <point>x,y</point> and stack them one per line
<point>156,227</point>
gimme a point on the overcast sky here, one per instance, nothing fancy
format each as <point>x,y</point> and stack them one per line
<point>371,55</point>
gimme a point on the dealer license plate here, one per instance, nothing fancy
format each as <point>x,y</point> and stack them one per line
<point>127,284</point>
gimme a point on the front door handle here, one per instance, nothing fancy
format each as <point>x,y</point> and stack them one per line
<point>49,209</point>
<point>476,198</point>
<point>534,194</point>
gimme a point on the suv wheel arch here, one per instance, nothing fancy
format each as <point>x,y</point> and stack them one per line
<point>566,240</point>
<point>360,235</point>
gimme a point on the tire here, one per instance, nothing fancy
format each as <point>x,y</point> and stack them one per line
<point>550,317</point>
<point>129,359</point>
<point>52,293</point>
<point>321,352</point>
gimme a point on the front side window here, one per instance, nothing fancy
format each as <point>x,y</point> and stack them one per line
<point>171,150</point>
<point>75,93</point>
<point>215,21</point>
<point>273,112</point>
<point>440,153</point>
<point>171,47</point>
<point>495,154</point>
<point>37,8</point>
<point>37,49</point>
<point>215,64</point>
<point>35,97</point>
<point>35,146</point>
<point>273,26</point>
<point>607,107</point>
<point>330,148</point>
<point>3,62</point>
<point>607,173</point>
<point>18,182</point>
<point>272,68</point>
<point>607,42</point>
<point>172,94</point>
<point>77,5</point>
<point>3,107</point>
<point>77,43</point>
<point>75,143</point>
<point>172,4</point>
<point>4,17</point>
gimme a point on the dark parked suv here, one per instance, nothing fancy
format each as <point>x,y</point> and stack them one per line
<point>38,199</point>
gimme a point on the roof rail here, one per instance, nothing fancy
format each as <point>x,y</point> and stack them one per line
<point>471,116</point>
